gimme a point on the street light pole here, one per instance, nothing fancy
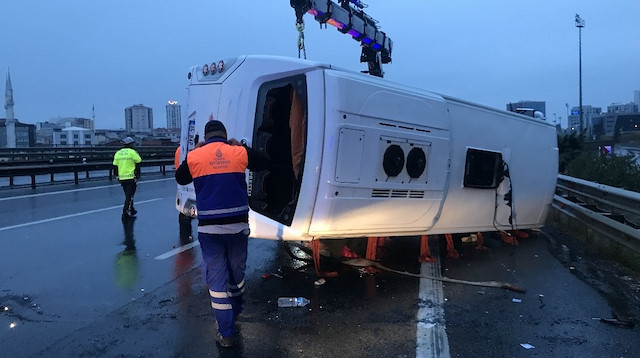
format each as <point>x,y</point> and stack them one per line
<point>580,25</point>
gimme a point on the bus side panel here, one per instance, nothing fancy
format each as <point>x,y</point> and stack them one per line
<point>529,149</point>
<point>357,196</point>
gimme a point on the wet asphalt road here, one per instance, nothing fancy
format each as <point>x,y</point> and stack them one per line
<point>78,282</point>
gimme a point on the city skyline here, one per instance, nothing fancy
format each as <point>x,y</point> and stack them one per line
<point>490,54</point>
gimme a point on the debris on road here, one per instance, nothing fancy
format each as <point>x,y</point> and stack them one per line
<point>526,346</point>
<point>267,276</point>
<point>516,300</point>
<point>346,252</point>
<point>368,263</point>
<point>320,282</point>
<point>292,302</point>
<point>617,322</point>
<point>469,239</point>
<point>542,304</point>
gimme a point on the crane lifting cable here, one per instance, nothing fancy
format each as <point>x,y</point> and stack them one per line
<point>301,7</point>
<point>348,17</point>
<point>300,28</point>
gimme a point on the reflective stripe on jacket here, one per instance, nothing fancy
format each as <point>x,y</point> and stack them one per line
<point>125,159</point>
<point>218,171</point>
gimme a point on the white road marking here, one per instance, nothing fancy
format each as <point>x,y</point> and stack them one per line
<point>432,338</point>
<point>178,250</point>
<point>77,190</point>
<point>73,215</point>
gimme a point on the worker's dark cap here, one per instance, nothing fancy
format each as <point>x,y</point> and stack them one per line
<point>214,126</point>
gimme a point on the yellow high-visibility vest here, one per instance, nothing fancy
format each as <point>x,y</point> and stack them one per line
<point>125,159</point>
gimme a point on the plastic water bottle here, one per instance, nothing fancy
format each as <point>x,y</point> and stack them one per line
<point>292,302</point>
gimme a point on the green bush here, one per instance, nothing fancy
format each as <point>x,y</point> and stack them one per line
<point>612,170</point>
<point>569,147</point>
<point>616,171</point>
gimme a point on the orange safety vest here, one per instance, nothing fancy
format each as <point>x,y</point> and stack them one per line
<point>218,171</point>
<point>176,158</point>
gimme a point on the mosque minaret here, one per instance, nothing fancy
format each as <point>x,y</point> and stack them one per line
<point>10,117</point>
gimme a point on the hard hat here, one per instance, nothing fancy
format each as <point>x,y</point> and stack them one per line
<point>127,140</point>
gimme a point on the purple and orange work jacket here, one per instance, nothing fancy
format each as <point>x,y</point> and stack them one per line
<point>217,170</point>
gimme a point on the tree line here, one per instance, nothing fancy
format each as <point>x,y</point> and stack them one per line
<point>620,171</point>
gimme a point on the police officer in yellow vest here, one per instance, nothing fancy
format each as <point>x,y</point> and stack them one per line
<point>217,170</point>
<point>127,163</point>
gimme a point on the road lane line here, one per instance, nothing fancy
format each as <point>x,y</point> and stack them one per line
<point>178,250</point>
<point>73,215</point>
<point>77,190</point>
<point>432,338</point>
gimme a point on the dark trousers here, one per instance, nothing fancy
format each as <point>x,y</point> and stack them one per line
<point>184,222</point>
<point>129,187</point>
<point>224,259</point>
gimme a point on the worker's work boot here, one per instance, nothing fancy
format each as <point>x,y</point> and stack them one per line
<point>224,342</point>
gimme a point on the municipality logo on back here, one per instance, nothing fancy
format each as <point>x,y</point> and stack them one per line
<point>219,162</point>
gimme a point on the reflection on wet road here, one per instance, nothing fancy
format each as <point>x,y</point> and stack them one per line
<point>127,260</point>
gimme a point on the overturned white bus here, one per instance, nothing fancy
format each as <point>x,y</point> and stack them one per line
<point>356,155</point>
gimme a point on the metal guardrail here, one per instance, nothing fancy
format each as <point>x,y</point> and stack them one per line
<point>57,155</point>
<point>35,170</point>
<point>32,162</point>
<point>612,212</point>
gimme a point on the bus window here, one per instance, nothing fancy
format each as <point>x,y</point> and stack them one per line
<point>482,169</point>
<point>280,133</point>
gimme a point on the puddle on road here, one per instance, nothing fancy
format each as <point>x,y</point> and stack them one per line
<point>21,309</point>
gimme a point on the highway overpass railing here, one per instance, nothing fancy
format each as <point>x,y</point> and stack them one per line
<point>59,155</point>
<point>34,162</point>
<point>609,211</point>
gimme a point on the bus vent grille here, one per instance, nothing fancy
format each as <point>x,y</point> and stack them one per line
<point>416,194</point>
<point>380,193</point>
<point>399,193</point>
<point>386,193</point>
<point>404,127</point>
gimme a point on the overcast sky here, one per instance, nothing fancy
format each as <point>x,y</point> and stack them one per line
<point>66,56</point>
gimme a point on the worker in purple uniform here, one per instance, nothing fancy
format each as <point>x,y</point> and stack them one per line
<point>217,169</point>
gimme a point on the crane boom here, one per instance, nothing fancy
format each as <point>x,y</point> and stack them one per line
<point>349,17</point>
